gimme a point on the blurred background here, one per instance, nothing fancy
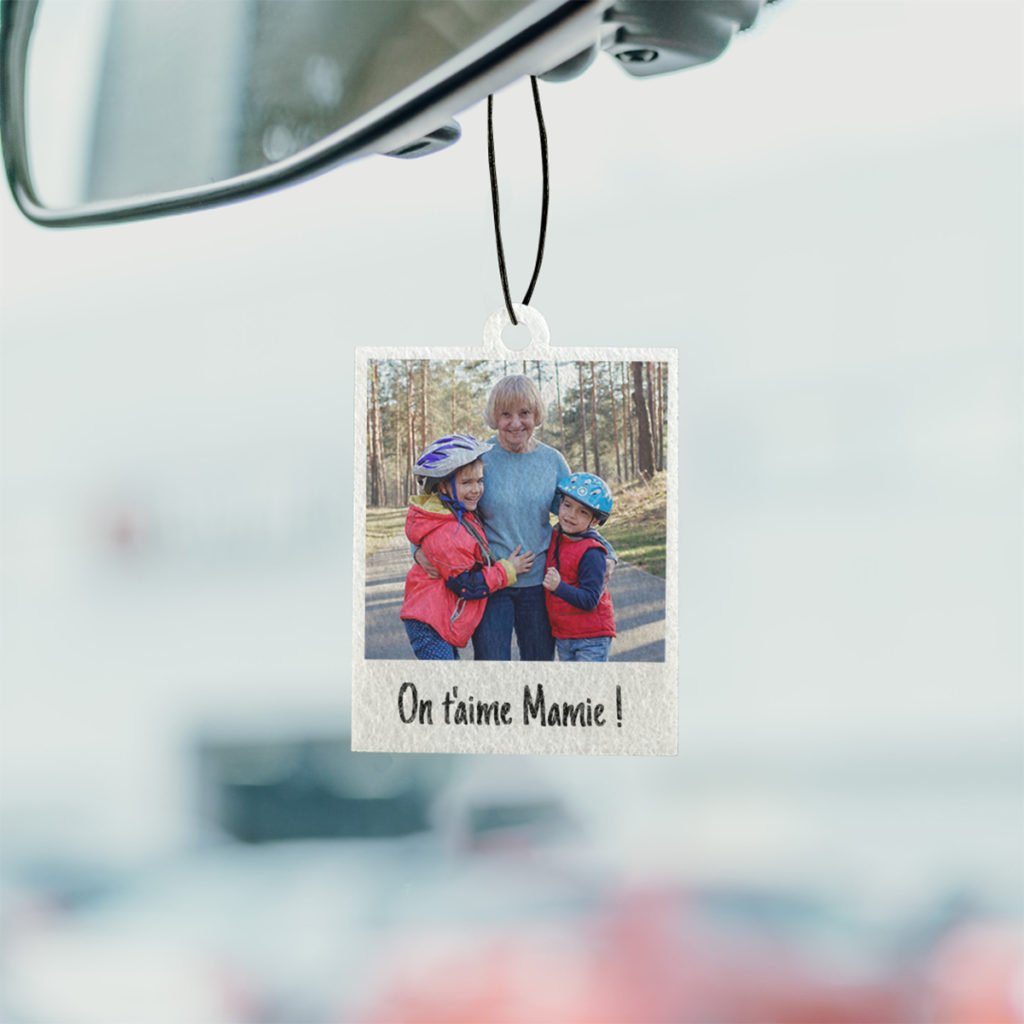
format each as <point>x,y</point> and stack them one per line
<point>827,224</point>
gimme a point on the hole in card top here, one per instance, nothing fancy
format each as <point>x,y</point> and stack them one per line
<point>530,334</point>
<point>516,336</point>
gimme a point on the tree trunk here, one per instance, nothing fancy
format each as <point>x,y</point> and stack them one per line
<point>652,407</point>
<point>369,445</point>
<point>373,498</point>
<point>370,501</point>
<point>644,454</point>
<point>627,421</point>
<point>561,420</point>
<point>423,404</point>
<point>540,388</point>
<point>661,414</point>
<point>398,462</point>
<point>376,454</point>
<point>615,424</point>
<point>379,420</point>
<point>593,421</point>
<point>451,380</point>
<point>583,416</point>
<point>410,438</point>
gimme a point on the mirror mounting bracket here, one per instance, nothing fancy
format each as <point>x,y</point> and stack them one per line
<point>432,142</point>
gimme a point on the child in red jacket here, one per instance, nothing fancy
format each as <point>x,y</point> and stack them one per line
<point>440,613</point>
<point>579,605</point>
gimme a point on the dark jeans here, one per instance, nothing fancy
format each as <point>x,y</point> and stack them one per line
<point>427,643</point>
<point>519,608</point>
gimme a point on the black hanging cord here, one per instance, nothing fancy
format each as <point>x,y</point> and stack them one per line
<point>494,199</point>
<point>542,132</point>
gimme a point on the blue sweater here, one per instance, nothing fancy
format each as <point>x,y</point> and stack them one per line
<point>519,495</point>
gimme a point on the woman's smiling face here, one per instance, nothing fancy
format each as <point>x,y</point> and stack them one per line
<point>515,428</point>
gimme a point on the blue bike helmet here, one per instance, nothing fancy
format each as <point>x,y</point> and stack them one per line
<point>441,458</point>
<point>590,491</point>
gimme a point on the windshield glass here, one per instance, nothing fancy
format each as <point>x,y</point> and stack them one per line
<point>825,224</point>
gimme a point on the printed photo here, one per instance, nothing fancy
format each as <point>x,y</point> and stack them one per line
<point>516,510</point>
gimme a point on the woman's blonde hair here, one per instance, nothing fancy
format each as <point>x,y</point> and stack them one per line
<point>510,391</point>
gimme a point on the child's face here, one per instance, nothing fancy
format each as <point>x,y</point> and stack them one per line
<point>574,517</point>
<point>469,484</point>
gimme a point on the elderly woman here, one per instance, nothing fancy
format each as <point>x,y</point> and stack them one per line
<point>520,476</point>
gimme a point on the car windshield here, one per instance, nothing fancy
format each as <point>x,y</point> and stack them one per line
<point>824,225</point>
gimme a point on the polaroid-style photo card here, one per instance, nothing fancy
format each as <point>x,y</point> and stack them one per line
<point>515,552</point>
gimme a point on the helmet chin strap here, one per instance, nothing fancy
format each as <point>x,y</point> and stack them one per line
<point>452,500</point>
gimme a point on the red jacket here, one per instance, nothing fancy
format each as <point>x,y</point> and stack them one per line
<point>567,621</point>
<point>453,549</point>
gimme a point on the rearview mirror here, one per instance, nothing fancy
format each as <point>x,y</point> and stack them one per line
<point>115,109</point>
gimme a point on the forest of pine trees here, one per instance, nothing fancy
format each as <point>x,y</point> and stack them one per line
<point>607,418</point>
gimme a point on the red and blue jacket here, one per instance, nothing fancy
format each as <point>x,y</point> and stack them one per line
<point>580,606</point>
<point>454,603</point>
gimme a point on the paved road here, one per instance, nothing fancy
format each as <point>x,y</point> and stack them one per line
<point>639,600</point>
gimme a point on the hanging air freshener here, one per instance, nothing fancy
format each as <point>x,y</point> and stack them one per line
<point>516,526</point>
